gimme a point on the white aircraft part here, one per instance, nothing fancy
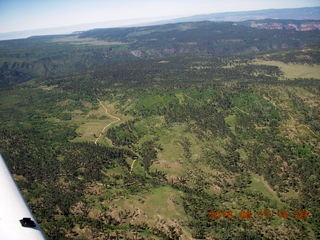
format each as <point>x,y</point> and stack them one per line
<point>13,208</point>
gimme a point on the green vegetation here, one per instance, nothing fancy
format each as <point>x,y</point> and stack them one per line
<point>262,186</point>
<point>141,140</point>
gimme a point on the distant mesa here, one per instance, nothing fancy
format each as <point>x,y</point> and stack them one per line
<point>309,13</point>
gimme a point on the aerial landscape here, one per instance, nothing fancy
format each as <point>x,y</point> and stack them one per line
<point>205,126</point>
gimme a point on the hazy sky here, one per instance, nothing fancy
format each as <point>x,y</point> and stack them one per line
<point>17,15</point>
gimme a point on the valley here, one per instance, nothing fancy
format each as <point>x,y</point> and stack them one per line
<point>140,137</point>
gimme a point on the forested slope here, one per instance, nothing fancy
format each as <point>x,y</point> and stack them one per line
<point>215,138</point>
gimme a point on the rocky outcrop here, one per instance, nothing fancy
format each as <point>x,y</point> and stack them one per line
<point>308,26</point>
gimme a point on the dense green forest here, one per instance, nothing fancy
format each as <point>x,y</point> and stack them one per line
<point>180,131</point>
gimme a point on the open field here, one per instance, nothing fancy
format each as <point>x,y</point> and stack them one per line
<point>84,41</point>
<point>160,208</point>
<point>259,184</point>
<point>95,121</point>
<point>292,71</point>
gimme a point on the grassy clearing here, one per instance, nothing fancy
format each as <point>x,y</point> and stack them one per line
<point>231,122</point>
<point>138,168</point>
<point>164,202</point>
<point>181,97</point>
<point>153,102</point>
<point>9,100</point>
<point>170,159</point>
<point>84,41</point>
<point>259,184</point>
<point>91,124</point>
<point>160,207</point>
<point>292,71</point>
<point>47,88</point>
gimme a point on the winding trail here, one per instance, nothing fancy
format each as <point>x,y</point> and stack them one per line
<point>241,110</point>
<point>108,125</point>
<point>110,115</point>
<point>191,98</point>
<point>131,168</point>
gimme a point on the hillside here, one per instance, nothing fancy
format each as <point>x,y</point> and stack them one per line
<point>55,56</point>
<point>180,131</point>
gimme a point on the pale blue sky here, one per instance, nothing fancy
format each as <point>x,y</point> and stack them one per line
<point>17,15</point>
